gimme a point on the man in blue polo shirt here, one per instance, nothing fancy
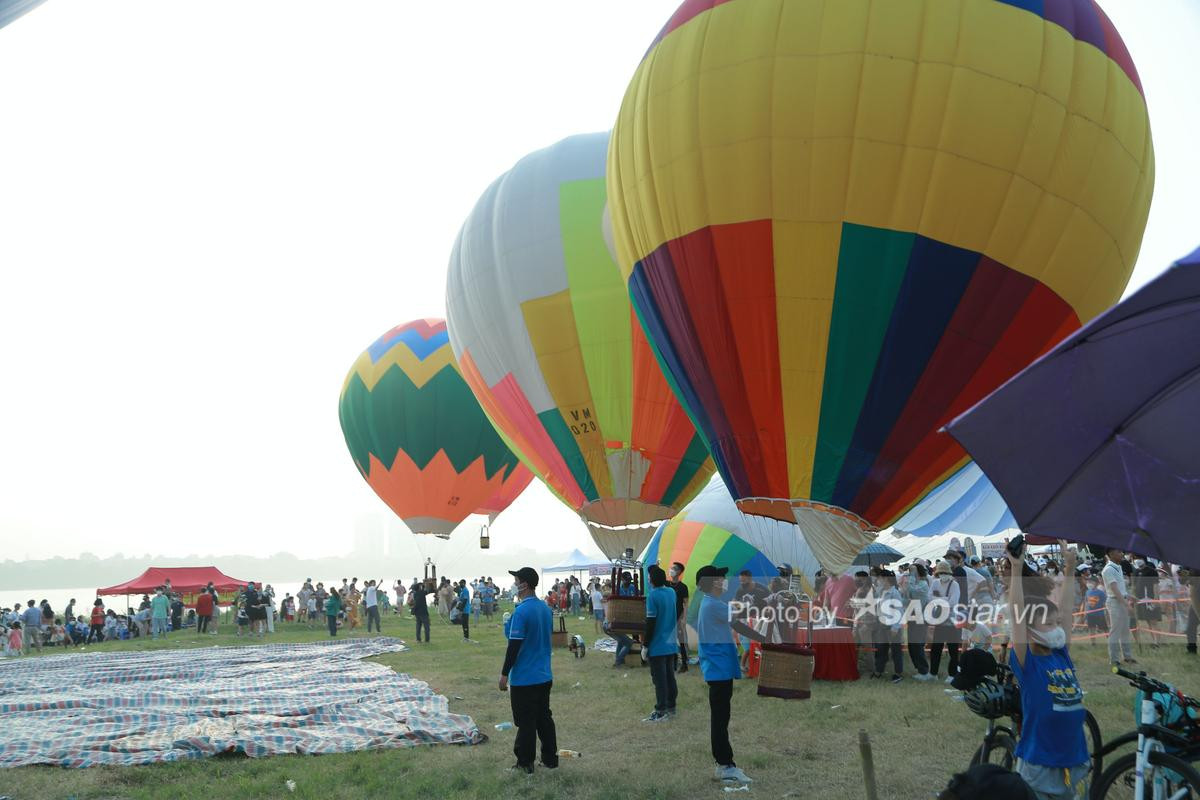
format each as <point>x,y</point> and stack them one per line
<point>719,664</point>
<point>526,674</point>
<point>662,643</point>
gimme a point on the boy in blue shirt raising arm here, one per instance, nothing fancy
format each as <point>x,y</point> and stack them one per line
<point>719,664</point>
<point>662,643</point>
<point>527,670</point>
<point>1052,754</point>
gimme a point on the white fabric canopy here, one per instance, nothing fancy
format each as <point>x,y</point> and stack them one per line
<point>934,547</point>
<point>576,561</point>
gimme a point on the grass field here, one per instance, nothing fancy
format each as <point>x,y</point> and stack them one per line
<point>802,749</point>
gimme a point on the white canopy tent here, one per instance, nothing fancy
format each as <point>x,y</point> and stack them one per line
<point>577,561</point>
<point>934,547</point>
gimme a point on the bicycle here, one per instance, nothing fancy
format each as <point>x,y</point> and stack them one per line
<point>1153,772</point>
<point>994,699</point>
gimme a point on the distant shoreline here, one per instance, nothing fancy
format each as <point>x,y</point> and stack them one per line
<point>68,573</point>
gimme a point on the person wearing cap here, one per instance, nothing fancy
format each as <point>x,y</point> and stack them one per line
<point>942,614</point>
<point>956,558</point>
<point>1052,753</point>
<point>526,674</point>
<point>662,643</point>
<point>681,604</point>
<point>719,665</point>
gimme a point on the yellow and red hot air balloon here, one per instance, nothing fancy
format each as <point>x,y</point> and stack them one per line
<point>842,223</point>
<point>541,323</point>
<point>418,436</point>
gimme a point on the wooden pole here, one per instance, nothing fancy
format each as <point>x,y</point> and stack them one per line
<point>868,762</point>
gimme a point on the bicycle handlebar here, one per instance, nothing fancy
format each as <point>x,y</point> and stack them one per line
<point>1140,680</point>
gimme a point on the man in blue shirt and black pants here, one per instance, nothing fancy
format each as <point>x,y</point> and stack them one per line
<point>526,674</point>
<point>719,664</point>
<point>662,643</point>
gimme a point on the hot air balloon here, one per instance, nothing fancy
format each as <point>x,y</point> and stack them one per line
<point>510,490</point>
<point>711,530</point>
<point>541,323</point>
<point>11,9</point>
<point>418,436</point>
<point>843,223</point>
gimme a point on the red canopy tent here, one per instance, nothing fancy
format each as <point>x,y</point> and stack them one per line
<point>187,581</point>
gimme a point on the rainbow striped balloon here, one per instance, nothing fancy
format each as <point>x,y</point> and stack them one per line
<point>418,436</point>
<point>711,530</point>
<point>843,223</point>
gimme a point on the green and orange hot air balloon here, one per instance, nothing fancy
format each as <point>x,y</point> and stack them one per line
<point>419,437</point>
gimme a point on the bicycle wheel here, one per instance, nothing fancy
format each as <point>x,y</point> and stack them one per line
<point>998,751</point>
<point>1178,777</point>
<point>1091,730</point>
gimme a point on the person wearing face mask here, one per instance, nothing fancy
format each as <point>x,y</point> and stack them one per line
<point>942,614</point>
<point>527,676</point>
<point>916,593</point>
<point>1052,753</point>
<point>715,627</point>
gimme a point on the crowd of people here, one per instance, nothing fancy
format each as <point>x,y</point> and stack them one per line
<point>253,610</point>
<point>960,603</point>
<point>1026,608</point>
<point>31,626</point>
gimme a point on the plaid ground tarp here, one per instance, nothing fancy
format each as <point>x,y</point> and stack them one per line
<point>125,708</point>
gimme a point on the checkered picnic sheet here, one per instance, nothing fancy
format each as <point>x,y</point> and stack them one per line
<point>100,707</point>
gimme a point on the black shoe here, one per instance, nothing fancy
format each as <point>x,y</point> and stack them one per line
<point>547,766</point>
<point>897,679</point>
<point>519,767</point>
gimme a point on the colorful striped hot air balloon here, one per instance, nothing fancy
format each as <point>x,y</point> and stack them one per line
<point>541,323</point>
<point>417,434</point>
<point>844,222</point>
<point>711,530</point>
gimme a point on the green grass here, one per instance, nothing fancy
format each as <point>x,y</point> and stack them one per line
<point>791,748</point>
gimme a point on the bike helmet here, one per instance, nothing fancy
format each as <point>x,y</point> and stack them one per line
<point>990,700</point>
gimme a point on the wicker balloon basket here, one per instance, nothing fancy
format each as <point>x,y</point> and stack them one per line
<point>560,637</point>
<point>431,584</point>
<point>626,614</point>
<point>786,671</point>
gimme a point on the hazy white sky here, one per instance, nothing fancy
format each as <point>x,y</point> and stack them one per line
<point>208,209</point>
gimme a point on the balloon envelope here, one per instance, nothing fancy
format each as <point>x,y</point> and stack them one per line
<point>711,527</point>
<point>516,482</point>
<point>844,223</point>
<point>416,433</point>
<point>11,9</point>
<point>541,323</point>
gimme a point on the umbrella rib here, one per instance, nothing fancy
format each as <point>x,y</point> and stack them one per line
<point>1157,398</point>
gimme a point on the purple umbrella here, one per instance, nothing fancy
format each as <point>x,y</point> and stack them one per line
<point>1098,441</point>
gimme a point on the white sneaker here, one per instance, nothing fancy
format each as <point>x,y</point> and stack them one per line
<point>923,677</point>
<point>950,679</point>
<point>733,775</point>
